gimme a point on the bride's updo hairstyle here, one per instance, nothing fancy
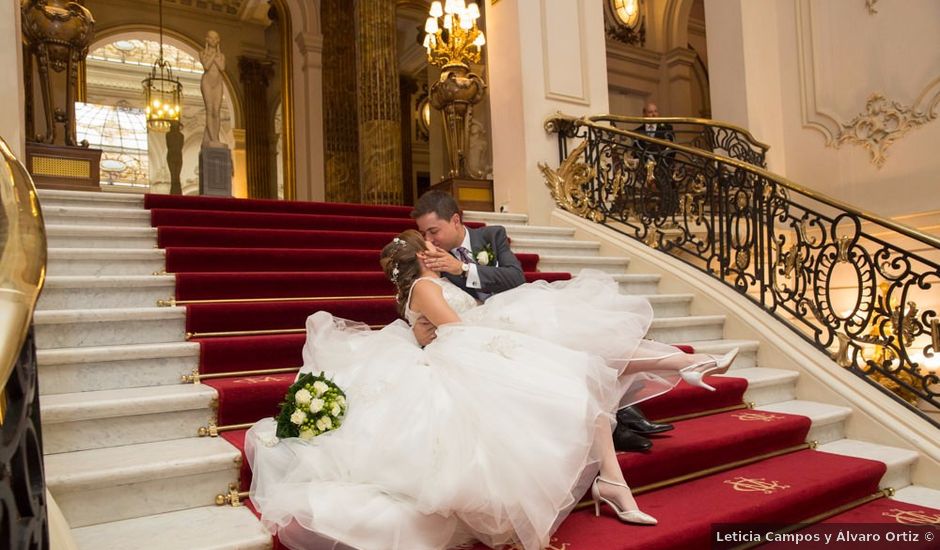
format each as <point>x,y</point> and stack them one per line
<point>401,265</point>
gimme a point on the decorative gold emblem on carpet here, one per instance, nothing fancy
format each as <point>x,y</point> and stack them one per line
<point>756,416</point>
<point>913,517</point>
<point>755,485</point>
<point>551,546</point>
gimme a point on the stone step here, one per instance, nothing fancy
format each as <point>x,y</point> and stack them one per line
<point>633,283</point>
<point>100,236</point>
<point>105,261</point>
<point>919,496</point>
<point>747,356</point>
<point>670,305</point>
<point>538,231</point>
<point>549,246</point>
<point>49,198</point>
<point>84,215</point>
<point>68,370</point>
<point>765,385</point>
<point>495,218</point>
<point>204,528</point>
<point>682,329</point>
<point>109,327</point>
<point>105,291</point>
<point>127,416</point>
<point>116,483</point>
<point>899,461</point>
<point>828,420</point>
<point>574,264</point>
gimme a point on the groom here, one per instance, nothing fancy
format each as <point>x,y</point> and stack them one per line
<point>480,262</point>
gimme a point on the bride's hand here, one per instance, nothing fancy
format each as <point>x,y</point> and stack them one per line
<point>425,332</point>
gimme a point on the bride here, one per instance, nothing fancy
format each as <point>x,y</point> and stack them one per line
<point>493,432</point>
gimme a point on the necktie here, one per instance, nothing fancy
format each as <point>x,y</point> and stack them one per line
<point>464,255</point>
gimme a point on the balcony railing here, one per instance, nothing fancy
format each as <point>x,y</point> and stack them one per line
<point>23,521</point>
<point>842,278</point>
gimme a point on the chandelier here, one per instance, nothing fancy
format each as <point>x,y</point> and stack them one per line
<point>162,91</point>
<point>452,36</point>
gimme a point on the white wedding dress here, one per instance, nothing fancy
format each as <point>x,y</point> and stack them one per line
<point>484,434</point>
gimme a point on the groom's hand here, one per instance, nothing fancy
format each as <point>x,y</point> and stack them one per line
<point>439,259</point>
<point>425,332</point>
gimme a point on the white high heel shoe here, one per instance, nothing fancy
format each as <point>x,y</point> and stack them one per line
<point>693,376</point>
<point>626,516</point>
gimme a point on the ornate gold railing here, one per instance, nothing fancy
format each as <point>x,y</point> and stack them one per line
<point>701,133</point>
<point>845,279</point>
<point>22,272</point>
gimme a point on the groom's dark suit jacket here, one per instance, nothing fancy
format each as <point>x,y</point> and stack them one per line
<point>502,273</point>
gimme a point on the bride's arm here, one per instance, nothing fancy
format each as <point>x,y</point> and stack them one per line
<point>428,300</point>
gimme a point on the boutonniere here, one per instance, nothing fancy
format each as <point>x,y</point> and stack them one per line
<point>485,256</point>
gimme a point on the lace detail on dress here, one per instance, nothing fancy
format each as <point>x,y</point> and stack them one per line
<point>457,299</point>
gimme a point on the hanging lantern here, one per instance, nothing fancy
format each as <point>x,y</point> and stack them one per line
<point>162,92</point>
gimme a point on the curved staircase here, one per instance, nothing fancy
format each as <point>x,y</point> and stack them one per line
<point>169,323</point>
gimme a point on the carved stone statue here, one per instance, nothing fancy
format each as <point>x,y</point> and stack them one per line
<point>477,146</point>
<point>213,64</point>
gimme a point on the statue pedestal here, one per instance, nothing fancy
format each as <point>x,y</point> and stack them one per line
<point>215,171</point>
<point>64,167</point>
<point>470,193</point>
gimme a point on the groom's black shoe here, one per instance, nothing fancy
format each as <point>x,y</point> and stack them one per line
<point>632,419</point>
<point>626,440</point>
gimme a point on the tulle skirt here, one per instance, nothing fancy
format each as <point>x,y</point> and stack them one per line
<point>484,434</point>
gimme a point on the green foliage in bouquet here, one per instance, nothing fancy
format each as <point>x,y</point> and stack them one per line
<point>313,405</point>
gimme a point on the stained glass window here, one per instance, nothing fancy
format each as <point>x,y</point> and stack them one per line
<point>120,131</point>
<point>144,53</point>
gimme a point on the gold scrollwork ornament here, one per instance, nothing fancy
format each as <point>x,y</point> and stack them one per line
<point>566,184</point>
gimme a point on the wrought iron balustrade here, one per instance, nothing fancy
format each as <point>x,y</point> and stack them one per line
<point>701,133</point>
<point>850,282</point>
<point>23,520</point>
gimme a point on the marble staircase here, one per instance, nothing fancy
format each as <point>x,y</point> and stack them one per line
<point>123,458</point>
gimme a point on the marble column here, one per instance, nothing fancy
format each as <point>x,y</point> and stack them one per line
<point>255,75</point>
<point>340,119</point>
<point>378,102</point>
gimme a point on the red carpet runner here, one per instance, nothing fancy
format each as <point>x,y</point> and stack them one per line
<point>303,257</point>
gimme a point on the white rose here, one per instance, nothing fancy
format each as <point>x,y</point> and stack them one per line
<point>341,400</point>
<point>306,434</point>
<point>335,410</point>
<point>483,258</point>
<point>319,388</point>
<point>324,424</point>
<point>298,417</point>
<point>302,397</point>
<point>316,405</point>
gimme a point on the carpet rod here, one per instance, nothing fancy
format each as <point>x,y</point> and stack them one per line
<point>196,377</point>
<point>172,302</point>
<point>191,335</point>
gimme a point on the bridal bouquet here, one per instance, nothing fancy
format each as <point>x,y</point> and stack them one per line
<point>313,405</point>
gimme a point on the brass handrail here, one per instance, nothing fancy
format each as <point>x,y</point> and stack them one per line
<point>903,229</point>
<point>22,259</point>
<point>682,120</point>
